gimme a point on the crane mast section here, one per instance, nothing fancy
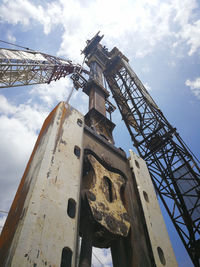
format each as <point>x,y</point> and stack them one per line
<point>173,169</point>
<point>19,68</point>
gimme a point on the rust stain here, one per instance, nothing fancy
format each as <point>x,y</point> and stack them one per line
<point>105,199</point>
<point>65,113</point>
<point>16,209</point>
<point>63,142</point>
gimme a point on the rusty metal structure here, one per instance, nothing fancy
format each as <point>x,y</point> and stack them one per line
<point>18,68</point>
<point>174,171</point>
<point>109,199</point>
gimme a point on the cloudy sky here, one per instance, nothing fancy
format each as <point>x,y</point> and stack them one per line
<point>161,38</point>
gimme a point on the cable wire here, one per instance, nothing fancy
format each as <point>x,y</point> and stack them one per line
<point>69,96</point>
<point>16,45</point>
<point>3,211</point>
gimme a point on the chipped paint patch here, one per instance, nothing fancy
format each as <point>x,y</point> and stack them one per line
<point>39,209</point>
<point>104,198</point>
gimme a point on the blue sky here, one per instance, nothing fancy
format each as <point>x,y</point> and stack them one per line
<point>161,40</point>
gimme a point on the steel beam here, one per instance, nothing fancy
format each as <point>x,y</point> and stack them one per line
<point>160,242</point>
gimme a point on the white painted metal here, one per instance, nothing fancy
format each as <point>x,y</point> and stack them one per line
<point>54,175</point>
<point>160,242</point>
<point>21,55</point>
<point>19,68</point>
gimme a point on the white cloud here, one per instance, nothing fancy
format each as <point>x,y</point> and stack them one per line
<point>11,38</point>
<point>149,22</point>
<point>191,33</point>
<point>30,116</point>
<point>19,124</point>
<point>194,86</point>
<point>184,11</point>
<point>20,11</point>
<point>6,107</point>
<point>52,93</point>
<point>16,144</point>
<point>140,31</point>
<point>24,12</point>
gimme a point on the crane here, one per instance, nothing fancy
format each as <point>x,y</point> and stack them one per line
<point>174,170</point>
<point>21,67</point>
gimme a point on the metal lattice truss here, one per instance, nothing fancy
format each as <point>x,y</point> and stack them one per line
<point>18,68</point>
<point>175,174</point>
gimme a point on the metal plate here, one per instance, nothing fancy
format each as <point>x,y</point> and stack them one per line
<point>160,242</point>
<point>44,215</point>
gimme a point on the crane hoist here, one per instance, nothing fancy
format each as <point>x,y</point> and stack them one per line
<point>78,184</point>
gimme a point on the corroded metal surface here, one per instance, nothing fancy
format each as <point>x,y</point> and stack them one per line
<point>173,169</point>
<point>160,242</point>
<point>41,228</point>
<point>98,95</point>
<point>133,250</point>
<point>20,67</point>
<point>16,212</point>
<point>105,200</point>
<point>102,126</point>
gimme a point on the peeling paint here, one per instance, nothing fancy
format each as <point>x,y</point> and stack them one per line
<point>104,198</point>
<point>39,207</point>
<point>13,218</point>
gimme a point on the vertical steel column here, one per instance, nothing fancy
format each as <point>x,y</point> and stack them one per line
<point>137,247</point>
<point>97,94</point>
<point>159,239</point>
<point>86,245</point>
